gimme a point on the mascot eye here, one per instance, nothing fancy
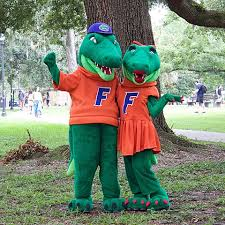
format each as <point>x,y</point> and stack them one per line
<point>93,39</point>
<point>132,48</point>
<point>115,42</point>
<point>152,50</point>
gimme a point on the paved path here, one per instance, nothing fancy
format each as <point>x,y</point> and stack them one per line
<point>48,118</point>
<point>201,135</point>
<point>63,119</point>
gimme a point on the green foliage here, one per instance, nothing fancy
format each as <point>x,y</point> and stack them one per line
<point>24,65</point>
<point>47,22</point>
<point>215,4</point>
<point>179,83</point>
<point>65,15</point>
<point>188,53</point>
<point>35,14</point>
<point>17,14</point>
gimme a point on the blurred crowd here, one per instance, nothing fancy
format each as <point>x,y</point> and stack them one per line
<point>34,101</point>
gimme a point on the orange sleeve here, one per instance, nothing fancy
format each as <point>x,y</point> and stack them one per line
<point>67,82</point>
<point>153,91</point>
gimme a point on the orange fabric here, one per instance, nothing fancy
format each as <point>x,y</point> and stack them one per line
<point>83,87</point>
<point>136,129</point>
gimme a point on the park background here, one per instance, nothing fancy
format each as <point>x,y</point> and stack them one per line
<point>37,191</point>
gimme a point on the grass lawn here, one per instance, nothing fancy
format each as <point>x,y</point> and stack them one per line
<point>48,129</point>
<point>38,191</point>
<point>12,134</point>
<point>183,117</point>
<point>42,197</point>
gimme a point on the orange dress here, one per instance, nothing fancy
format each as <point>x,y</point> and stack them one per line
<point>93,99</point>
<point>136,129</point>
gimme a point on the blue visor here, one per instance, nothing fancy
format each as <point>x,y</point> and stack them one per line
<point>101,28</point>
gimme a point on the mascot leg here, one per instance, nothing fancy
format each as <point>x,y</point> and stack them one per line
<point>148,182</point>
<point>139,200</point>
<point>109,170</point>
<point>86,150</point>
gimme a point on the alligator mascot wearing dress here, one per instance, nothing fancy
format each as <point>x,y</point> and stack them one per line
<point>138,141</point>
<point>93,116</point>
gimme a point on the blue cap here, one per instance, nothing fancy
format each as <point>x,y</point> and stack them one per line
<point>101,28</point>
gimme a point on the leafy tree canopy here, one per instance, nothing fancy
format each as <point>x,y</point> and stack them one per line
<point>17,14</point>
<point>189,53</point>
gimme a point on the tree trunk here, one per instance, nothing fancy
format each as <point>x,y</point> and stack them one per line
<point>71,50</point>
<point>131,21</point>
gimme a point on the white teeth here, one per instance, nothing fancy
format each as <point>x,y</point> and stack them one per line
<point>143,76</point>
<point>104,69</point>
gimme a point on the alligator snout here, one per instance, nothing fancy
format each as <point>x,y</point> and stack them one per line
<point>140,66</point>
<point>112,61</point>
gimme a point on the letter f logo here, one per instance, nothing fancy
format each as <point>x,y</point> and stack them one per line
<point>129,100</point>
<point>102,95</point>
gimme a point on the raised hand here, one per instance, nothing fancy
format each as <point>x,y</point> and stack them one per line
<point>50,59</point>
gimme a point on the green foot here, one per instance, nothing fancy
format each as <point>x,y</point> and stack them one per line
<point>159,201</point>
<point>137,204</point>
<point>82,205</point>
<point>113,204</point>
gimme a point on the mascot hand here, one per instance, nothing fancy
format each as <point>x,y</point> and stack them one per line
<point>50,60</point>
<point>174,98</point>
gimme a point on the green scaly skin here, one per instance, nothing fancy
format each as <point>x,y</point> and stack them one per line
<point>141,64</point>
<point>96,50</point>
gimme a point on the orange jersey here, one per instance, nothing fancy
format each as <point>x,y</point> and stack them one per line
<point>136,129</point>
<point>93,99</point>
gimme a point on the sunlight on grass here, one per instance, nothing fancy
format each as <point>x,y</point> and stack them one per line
<point>184,117</point>
<point>14,134</point>
<point>48,129</point>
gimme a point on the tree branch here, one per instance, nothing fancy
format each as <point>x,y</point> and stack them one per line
<point>197,70</point>
<point>196,14</point>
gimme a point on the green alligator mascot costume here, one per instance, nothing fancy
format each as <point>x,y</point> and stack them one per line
<point>138,141</point>
<point>93,116</point>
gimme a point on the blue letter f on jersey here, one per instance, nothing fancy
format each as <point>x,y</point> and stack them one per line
<point>129,100</point>
<point>102,95</point>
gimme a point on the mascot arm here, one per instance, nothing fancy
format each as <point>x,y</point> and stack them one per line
<point>155,106</point>
<point>50,61</point>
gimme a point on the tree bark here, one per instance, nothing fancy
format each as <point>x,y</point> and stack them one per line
<point>71,50</point>
<point>130,20</point>
<point>196,14</point>
<point>98,11</point>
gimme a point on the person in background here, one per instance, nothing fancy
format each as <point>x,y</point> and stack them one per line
<point>37,102</point>
<point>30,101</point>
<point>47,98</point>
<point>219,92</point>
<point>21,98</point>
<point>200,91</point>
